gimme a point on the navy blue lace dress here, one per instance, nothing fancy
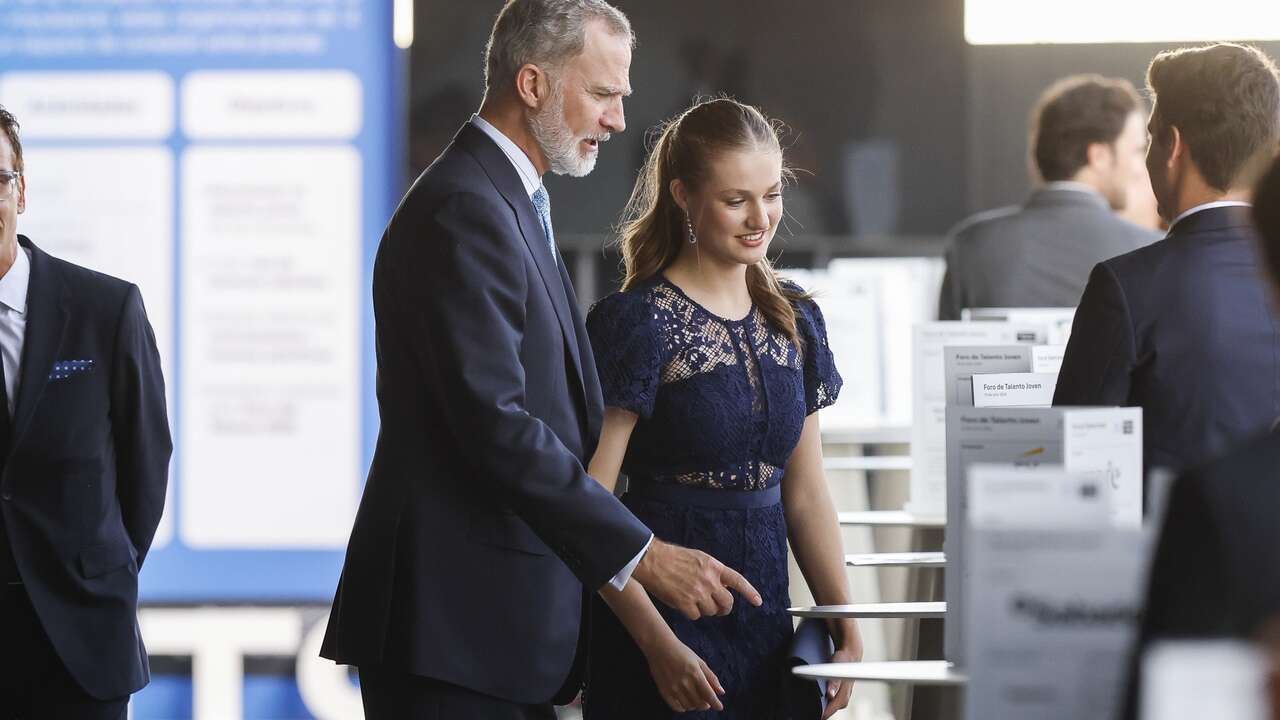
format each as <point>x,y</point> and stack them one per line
<point>721,405</point>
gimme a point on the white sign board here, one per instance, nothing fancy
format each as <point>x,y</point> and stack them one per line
<point>1056,608</point>
<point>1003,496</point>
<point>929,426</point>
<point>1105,445</point>
<point>1014,389</point>
<point>1057,320</point>
<point>1047,358</point>
<point>902,292</point>
<point>1197,679</point>
<point>852,310</point>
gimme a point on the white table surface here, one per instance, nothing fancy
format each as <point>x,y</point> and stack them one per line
<point>911,610</point>
<point>867,462</point>
<point>896,559</point>
<point>890,435</point>
<point>915,672</point>
<point>892,518</point>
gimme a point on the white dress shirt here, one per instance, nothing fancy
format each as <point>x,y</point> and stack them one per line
<point>13,321</point>
<point>524,166</point>
<point>532,181</point>
<point>1207,206</point>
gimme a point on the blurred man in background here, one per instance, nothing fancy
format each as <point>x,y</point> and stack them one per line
<point>84,464</point>
<point>1087,140</point>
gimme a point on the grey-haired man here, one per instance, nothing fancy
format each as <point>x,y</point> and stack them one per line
<point>462,594</point>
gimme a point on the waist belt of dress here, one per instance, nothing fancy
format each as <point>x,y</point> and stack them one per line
<point>673,494</point>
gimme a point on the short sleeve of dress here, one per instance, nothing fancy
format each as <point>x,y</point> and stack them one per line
<point>822,382</point>
<point>628,351</point>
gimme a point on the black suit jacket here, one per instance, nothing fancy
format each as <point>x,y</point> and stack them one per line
<point>479,526</point>
<point>1185,329</point>
<point>83,488</point>
<point>1216,571</point>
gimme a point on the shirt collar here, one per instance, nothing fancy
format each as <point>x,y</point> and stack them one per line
<point>1074,187</point>
<point>524,166</point>
<point>13,286</point>
<point>1207,206</point>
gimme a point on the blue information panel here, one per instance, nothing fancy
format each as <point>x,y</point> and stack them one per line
<point>237,159</point>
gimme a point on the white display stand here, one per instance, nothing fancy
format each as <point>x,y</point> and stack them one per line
<point>1057,320</point>
<point>870,306</point>
<point>852,310</point>
<point>1104,444</point>
<point>1196,679</point>
<point>933,388</point>
<point>1047,358</point>
<point>1051,593</point>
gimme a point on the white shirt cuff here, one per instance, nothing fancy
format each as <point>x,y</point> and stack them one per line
<point>619,581</point>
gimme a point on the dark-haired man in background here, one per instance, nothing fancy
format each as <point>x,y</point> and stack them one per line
<point>1184,328</point>
<point>1087,139</point>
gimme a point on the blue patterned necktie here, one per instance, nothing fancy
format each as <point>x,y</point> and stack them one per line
<point>542,203</point>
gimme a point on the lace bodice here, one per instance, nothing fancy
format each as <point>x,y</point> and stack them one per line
<point>721,402</point>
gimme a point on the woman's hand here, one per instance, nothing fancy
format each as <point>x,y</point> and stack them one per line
<point>683,679</point>
<point>839,691</point>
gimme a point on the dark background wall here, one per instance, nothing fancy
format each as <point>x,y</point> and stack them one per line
<point>873,92</point>
<point>1003,81</point>
<point>904,129</point>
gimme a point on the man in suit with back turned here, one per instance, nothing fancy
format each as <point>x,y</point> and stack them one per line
<point>1216,570</point>
<point>1087,138</point>
<point>1185,328</point>
<point>463,595</point>
<point>84,465</point>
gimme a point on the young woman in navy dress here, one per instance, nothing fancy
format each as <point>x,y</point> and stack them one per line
<point>713,371</point>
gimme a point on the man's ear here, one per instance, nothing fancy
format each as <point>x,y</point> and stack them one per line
<point>1177,146</point>
<point>532,86</point>
<point>1100,155</point>
<point>22,194</point>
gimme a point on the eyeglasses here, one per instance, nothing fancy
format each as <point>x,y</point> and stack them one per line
<point>8,182</point>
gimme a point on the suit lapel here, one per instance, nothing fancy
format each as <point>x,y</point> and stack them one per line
<point>46,322</point>
<point>504,177</point>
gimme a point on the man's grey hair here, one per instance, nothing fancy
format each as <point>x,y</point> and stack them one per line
<point>545,33</point>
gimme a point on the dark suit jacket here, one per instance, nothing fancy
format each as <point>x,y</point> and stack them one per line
<point>84,484</point>
<point>1037,255</point>
<point>1216,572</point>
<point>479,526</point>
<point>1185,329</point>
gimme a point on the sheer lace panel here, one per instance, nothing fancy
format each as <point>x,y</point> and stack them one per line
<point>745,476</point>
<point>775,344</point>
<point>701,344</point>
<point>752,369</point>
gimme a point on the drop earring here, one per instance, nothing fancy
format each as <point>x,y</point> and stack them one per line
<point>688,223</point>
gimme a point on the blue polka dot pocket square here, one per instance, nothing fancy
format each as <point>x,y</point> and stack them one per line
<point>64,369</point>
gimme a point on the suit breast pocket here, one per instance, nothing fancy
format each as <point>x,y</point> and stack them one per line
<point>505,529</point>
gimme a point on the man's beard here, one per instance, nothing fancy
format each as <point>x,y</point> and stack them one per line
<point>557,141</point>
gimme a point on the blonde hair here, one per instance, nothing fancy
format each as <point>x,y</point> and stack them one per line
<point>651,232</point>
